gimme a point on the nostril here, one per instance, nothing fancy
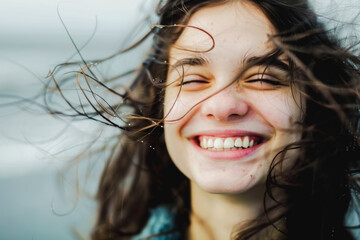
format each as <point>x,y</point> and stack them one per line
<point>234,115</point>
<point>210,116</point>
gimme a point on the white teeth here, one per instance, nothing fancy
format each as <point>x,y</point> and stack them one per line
<point>246,142</point>
<point>238,142</point>
<point>203,143</point>
<point>210,143</point>
<point>228,143</point>
<point>218,143</point>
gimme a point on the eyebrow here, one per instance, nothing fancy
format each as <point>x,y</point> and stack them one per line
<point>269,60</point>
<point>195,61</point>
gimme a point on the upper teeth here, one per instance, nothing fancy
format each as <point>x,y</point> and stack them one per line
<point>229,143</point>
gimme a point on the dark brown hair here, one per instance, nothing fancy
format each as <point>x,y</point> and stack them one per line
<point>140,175</point>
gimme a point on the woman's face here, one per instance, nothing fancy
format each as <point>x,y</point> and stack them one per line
<point>226,143</point>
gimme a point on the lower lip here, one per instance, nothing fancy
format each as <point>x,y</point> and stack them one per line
<point>230,155</point>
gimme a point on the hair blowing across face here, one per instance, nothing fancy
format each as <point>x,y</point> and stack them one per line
<point>140,175</point>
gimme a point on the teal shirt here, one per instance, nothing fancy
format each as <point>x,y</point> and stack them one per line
<point>161,220</point>
<point>352,217</point>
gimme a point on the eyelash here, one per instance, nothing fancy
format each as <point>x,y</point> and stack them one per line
<point>192,81</point>
<point>265,80</point>
<point>269,82</point>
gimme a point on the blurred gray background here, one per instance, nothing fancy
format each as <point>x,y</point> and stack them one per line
<point>38,199</point>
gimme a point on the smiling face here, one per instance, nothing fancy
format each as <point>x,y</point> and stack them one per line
<point>225,143</point>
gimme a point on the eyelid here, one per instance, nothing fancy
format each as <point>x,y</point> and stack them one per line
<point>262,81</point>
<point>270,73</point>
<point>190,77</point>
<point>261,76</point>
<point>268,70</point>
<point>193,82</point>
<point>193,76</point>
<point>185,65</point>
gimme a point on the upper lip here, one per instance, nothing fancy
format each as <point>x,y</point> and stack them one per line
<point>227,133</point>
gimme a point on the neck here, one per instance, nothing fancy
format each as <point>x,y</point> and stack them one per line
<point>214,216</point>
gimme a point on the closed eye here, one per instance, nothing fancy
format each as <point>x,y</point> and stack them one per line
<point>193,81</point>
<point>266,81</point>
<point>193,85</point>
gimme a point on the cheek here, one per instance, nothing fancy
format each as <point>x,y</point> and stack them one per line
<point>178,106</point>
<point>171,105</point>
<point>171,138</point>
<point>280,110</point>
<point>174,144</point>
<point>174,112</point>
<point>174,109</point>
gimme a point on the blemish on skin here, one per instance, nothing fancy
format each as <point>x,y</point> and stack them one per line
<point>251,176</point>
<point>244,173</point>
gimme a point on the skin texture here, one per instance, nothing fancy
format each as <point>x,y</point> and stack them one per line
<point>246,107</point>
<point>227,187</point>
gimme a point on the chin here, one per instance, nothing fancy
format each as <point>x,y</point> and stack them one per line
<point>221,185</point>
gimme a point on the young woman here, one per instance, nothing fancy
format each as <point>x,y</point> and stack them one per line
<point>243,125</point>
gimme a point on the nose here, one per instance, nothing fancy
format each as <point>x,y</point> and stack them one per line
<point>226,105</point>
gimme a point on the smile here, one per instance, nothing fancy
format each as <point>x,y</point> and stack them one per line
<point>227,143</point>
<point>226,147</point>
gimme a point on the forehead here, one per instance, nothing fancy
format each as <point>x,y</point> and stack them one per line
<point>237,28</point>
